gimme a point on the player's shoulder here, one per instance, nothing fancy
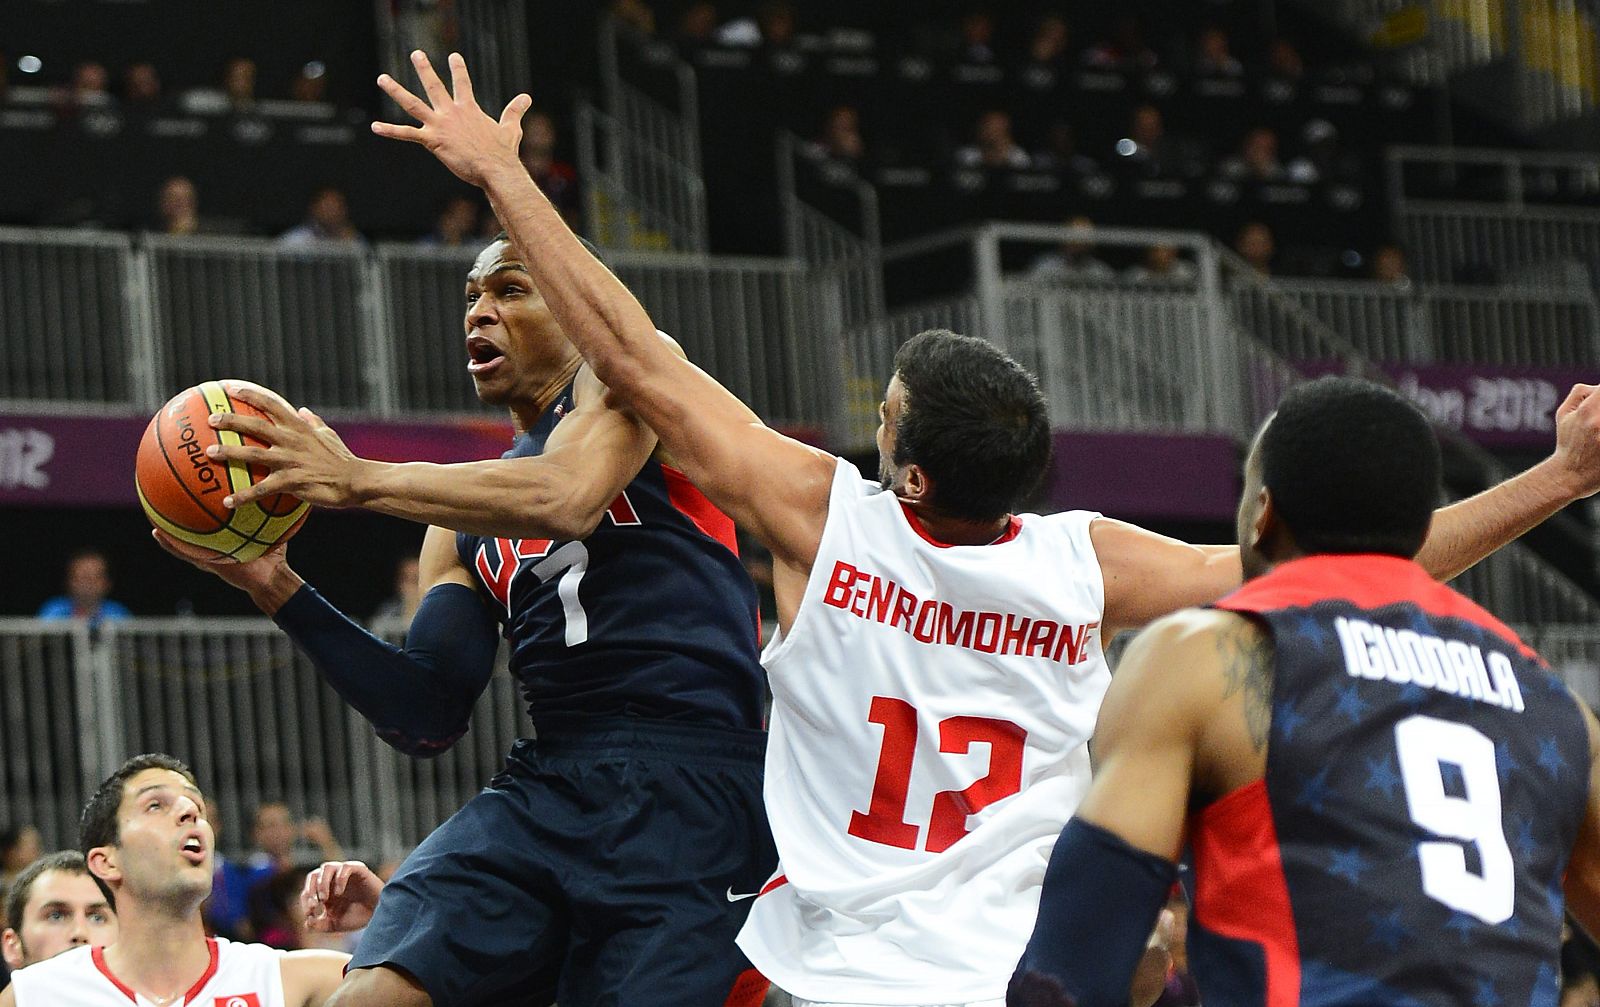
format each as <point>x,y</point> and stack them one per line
<point>1193,648</point>
<point>65,970</point>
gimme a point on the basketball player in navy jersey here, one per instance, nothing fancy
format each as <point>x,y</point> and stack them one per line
<point>604,865</point>
<point>780,489</point>
<point>1386,793</point>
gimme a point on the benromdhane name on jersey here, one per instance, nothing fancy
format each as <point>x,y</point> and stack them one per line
<point>878,599</point>
<point>1450,666</point>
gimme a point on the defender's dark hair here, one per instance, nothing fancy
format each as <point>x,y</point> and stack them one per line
<point>65,861</point>
<point>974,420</point>
<point>1352,467</point>
<point>585,242</point>
<point>98,826</point>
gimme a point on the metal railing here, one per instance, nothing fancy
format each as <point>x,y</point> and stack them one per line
<point>639,159</point>
<point>235,700</point>
<point>1448,323</point>
<point>1523,218</point>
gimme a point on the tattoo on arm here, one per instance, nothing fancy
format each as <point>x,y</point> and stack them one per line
<point>1246,652</point>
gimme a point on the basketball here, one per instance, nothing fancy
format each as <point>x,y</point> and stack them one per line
<point>181,490</point>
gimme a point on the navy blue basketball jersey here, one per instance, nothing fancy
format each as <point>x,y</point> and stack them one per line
<point>651,616</point>
<point>1425,779</point>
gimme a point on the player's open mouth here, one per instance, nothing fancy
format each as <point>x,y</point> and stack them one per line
<point>483,356</point>
<point>193,850</point>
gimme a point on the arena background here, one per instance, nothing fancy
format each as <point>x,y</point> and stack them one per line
<point>1170,211</point>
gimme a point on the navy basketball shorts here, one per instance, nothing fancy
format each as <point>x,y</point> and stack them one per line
<point>602,868</point>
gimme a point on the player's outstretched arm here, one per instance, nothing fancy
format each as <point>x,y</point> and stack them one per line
<point>1583,870</point>
<point>773,485</point>
<point>1469,530</point>
<point>311,976</point>
<point>560,494</point>
<point>1112,868</point>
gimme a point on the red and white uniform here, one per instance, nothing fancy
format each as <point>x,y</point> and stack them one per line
<point>240,975</point>
<point>931,711</point>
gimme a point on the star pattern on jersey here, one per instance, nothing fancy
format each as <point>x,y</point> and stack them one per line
<point>1286,719</point>
<point>1462,924</point>
<point>1387,930</point>
<point>1546,987</point>
<point>1381,775</point>
<point>1312,629</point>
<point>1505,762</point>
<point>1487,995</point>
<point>1348,864</point>
<point>1550,758</point>
<point>1350,702</point>
<point>1526,845</point>
<point>1555,897</point>
<point>1512,926</point>
<point>1413,695</point>
<point>1314,791</point>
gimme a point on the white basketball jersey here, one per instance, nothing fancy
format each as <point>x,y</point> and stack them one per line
<point>931,711</point>
<point>240,975</point>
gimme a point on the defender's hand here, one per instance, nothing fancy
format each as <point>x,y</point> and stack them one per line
<point>461,135</point>
<point>1578,439</point>
<point>340,896</point>
<point>304,457</point>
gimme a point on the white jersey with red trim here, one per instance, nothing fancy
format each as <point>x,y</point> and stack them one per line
<point>240,975</point>
<point>931,711</point>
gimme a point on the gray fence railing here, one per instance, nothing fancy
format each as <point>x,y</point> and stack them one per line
<point>1446,323</point>
<point>235,700</point>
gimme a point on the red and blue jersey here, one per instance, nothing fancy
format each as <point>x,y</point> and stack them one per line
<point>651,616</point>
<point>1425,779</point>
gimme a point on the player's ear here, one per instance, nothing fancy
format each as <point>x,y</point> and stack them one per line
<point>104,863</point>
<point>11,948</point>
<point>1266,523</point>
<point>917,485</point>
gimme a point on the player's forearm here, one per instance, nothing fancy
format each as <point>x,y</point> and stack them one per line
<point>601,317</point>
<point>1465,532</point>
<point>505,498</point>
<point>279,587</point>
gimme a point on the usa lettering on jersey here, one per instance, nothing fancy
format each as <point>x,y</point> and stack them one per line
<point>928,620</point>
<point>498,561</point>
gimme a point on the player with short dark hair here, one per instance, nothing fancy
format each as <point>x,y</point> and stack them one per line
<point>146,839</point>
<point>613,850</point>
<point>936,676</point>
<point>1380,784</point>
<point>53,905</point>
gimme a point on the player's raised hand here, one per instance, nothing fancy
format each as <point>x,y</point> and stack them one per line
<point>305,457</point>
<point>1578,438</point>
<point>461,135</point>
<point>339,896</point>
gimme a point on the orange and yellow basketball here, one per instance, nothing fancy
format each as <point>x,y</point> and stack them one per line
<point>182,490</point>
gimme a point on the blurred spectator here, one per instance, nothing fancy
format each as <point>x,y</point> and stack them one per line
<point>1060,151</point>
<point>698,25</point>
<point>556,178</point>
<point>1048,46</point>
<point>178,206</point>
<point>1283,60</point>
<point>777,22</point>
<point>1124,49</point>
<point>402,605</point>
<point>636,14</point>
<point>19,847</point>
<point>1074,260</point>
<point>1162,265</point>
<point>238,884</point>
<point>87,583</point>
<point>54,906</point>
<point>1149,150</point>
<point>141,87</point>
<point>87,90</point>
<point>1324,158</point>
<point>841,139</point>
<point>1255,246</point>
<point>1257,159</point>
<point>239,82</point>
<point>327,220</point>
<point>1389,266</point>
<point>456,225</point>
<point>1180,990</point>
<point>993,146</point>
<point>977,37</point>
<point>310,84</point>
<point>1214,55</point>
